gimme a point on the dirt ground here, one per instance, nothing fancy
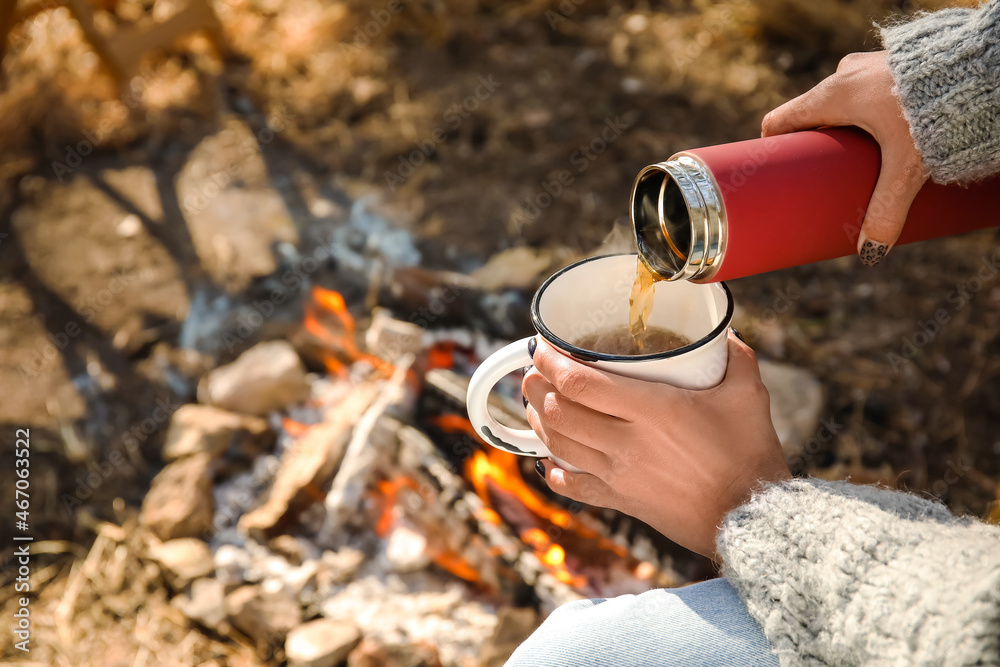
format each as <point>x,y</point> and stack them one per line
<point>456,115</point>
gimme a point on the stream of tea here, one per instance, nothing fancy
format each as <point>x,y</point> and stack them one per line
<point>640,302</point>
<point>638,337</point>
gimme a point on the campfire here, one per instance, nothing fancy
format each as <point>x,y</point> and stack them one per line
<point>539,522</point>
<point>379,497</point>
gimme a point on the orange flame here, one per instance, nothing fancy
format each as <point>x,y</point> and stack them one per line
<point>499,465</point>
<point>441,355</point>
<point>447,560</point>
<point>294,428</point>
<point>499,470</point>
<point>331,303</point>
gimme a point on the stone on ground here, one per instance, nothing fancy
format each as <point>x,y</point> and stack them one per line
<point>202,428</point>
<point>183,560</point>
<point>321,643</point>
<point>796,404</point>
<point>267,377</point>
<point>180,502</point>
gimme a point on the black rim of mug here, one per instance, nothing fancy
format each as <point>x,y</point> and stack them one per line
<point>589,355</point>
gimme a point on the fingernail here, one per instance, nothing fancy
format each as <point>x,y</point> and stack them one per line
<point>737,333</point>
<point>872,252</point>
<point>540,467</point>
<point>532,344</point>
<point>525,399</point>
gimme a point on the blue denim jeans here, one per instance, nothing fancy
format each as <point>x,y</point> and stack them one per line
<point>695,626</point>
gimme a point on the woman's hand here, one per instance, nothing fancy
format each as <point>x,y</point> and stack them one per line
<point>861,93</point>
<point>677,459</point>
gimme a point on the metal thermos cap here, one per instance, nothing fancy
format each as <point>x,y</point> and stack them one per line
<point>678,219</point>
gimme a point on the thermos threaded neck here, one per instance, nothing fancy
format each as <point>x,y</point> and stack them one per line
<point>678,219</point>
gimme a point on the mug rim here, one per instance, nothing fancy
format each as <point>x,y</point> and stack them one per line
<point>590,355</point>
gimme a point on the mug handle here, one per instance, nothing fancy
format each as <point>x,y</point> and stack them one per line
<point>506,360</point>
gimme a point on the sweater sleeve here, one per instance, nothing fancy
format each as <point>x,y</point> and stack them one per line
<point>839,574</point>
<point>946,67</point>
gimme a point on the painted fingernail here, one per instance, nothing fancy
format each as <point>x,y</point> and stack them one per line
<point>872,252</point>
<point>532,344</point>
<point>736,332</point>
<point>525,399</point>
<point>540,467</point>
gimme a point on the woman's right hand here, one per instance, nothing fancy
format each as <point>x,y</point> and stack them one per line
<point>862,93</point>
<point>677,459</point>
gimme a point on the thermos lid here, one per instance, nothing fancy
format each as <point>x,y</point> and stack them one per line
<point>678,219</point>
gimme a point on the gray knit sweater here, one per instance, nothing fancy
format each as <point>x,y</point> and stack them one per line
<point>838,574</point>
<point>947,71</point>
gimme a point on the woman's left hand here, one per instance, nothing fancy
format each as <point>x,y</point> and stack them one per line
<point>676,459</point>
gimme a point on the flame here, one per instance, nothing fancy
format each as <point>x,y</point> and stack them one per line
<point>452,423</point>
<point>499,469</point>
<point>294,428</point>
<point>447,560</point>
<point>331,304</point>
<point>441,355</point>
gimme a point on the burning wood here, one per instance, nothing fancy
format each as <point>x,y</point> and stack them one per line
<point>308,465</point>
<point>360,476</point>
<point>359,459</point>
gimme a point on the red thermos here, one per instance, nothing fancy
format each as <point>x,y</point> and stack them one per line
<point>734,210</point>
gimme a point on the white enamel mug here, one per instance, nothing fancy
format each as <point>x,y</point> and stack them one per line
<point>594,294</point>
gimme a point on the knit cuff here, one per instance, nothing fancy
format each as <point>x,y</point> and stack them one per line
<point>946,67</point>
<point>857,575</point>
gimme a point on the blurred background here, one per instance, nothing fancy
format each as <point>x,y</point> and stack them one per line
<point>182,182</point>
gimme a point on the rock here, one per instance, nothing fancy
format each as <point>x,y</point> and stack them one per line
<point>202,428</point>
<point>183,560</point>
<point>522,267</point>
<point>406,549</point>
<point>294,549</point>
<point>267,377</point>
<point>796,404</point>
<point>263,615</point>
<point>297,579</point>
<point>370,653</point>
<point>180,502</point>
<point>392,339</point>
<point>339,567</point>
<point>514,624</point>
<point>231,564</point>
<point>231,208</point>
<point>205,603</point>
<point>307,466</point>
<point>321,643</point>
